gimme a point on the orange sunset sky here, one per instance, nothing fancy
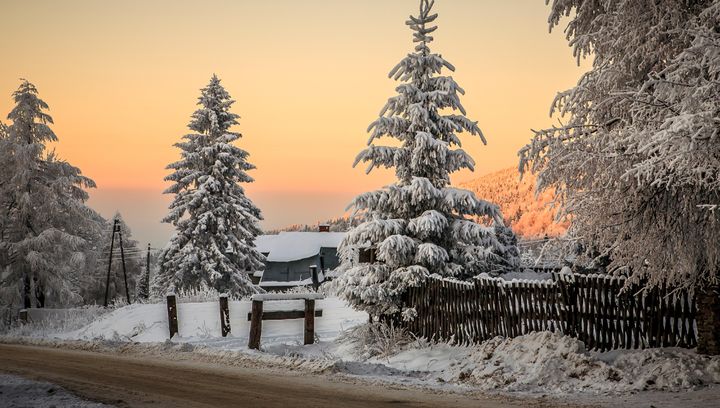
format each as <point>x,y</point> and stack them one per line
<point>122,78</point>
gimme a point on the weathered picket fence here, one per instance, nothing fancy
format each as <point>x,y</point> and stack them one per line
<point>590,307</point>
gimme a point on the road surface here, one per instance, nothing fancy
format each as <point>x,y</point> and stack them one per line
<point>126,381</point>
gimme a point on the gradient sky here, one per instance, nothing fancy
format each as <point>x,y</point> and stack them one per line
<point>122,78</point>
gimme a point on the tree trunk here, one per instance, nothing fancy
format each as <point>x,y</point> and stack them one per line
<point>708,320</point>
<point>27,302</point>
<point>39,293</point>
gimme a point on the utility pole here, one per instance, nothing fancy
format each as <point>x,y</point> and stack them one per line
<point>147,274</point>
<point>107,281</point>
<point>122,258</point>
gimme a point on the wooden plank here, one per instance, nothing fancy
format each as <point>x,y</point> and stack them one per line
<point>506,298</point>
<point>454,323</point>
<point>693,313</point>
<point>673,320</point>
<point>478,311</point>
<point>523,316</point>
<point>510,303</point>
<point>649,320</point>
<point>688,326</point>
<point>465,316</point>
<point>664,332</point>
<point>587,313</point>
<point>285,314</point>
<point>636,320</point>
<point>503,324</point>
<point>604,330</point>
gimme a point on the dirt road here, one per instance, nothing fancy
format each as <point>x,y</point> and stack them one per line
<point>134,382</point>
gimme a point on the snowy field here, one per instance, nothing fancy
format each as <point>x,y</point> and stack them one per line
<point>537,364</point>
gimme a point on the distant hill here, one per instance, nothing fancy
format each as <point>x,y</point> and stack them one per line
<point>528,215</point>
<point>340,224</point>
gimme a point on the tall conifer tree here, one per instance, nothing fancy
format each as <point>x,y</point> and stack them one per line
<point>45,226</point>
<point>216,223</point>
<point>420,225</point>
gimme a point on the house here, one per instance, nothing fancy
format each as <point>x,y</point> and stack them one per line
<point>289,256</point>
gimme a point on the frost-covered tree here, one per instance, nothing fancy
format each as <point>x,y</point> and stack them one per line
<point>637,162</point>
<point>45,227</point>
<point>420,225</point>
<point>142,288</point>
<point>216,223</point>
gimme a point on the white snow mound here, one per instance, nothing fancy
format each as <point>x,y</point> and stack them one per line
<point>547,362</point>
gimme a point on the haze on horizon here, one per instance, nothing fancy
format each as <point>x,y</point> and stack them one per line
<point>122,79</point>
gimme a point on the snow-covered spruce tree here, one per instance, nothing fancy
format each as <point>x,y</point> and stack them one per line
<point>216,223</point>
<point>638,163</point>
<point>142,287</point>
<point>419,226</point>
<point>44,224</point>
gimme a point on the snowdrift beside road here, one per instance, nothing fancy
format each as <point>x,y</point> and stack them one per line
<point>552,362</point>
<point>537,363</point>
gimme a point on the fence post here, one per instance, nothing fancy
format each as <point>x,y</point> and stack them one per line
<point>224,315</point>
<point>255,325</point>
<point>309,321</point>
<point>568,316</point>
<point>315,277</point>
<point>23,315</point>
<point>172,314</point>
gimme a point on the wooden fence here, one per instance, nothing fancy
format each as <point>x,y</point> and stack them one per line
<point>589,307</point>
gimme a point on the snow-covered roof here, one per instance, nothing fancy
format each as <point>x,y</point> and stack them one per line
<point>304,282</point>
<point>291,246</point>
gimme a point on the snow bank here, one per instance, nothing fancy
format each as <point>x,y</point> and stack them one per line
<point>48,322</point>
<point>551,362</point>
<point>20,392</point>
<point>538,363</point>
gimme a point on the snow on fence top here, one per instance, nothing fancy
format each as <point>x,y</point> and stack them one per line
<point>288,296</point>
<point>293,245</point>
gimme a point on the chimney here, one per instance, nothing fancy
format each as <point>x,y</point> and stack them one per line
<point>324,228</point>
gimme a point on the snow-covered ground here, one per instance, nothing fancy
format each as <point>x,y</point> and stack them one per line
<point>536,364</point>
<point>199,323</point>
<point>19,392</point>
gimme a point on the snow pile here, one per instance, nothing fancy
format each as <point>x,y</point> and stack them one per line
<point>48,322</point>
<point>20,392</point>
<point>547,361</point>
<point>541,362</point>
